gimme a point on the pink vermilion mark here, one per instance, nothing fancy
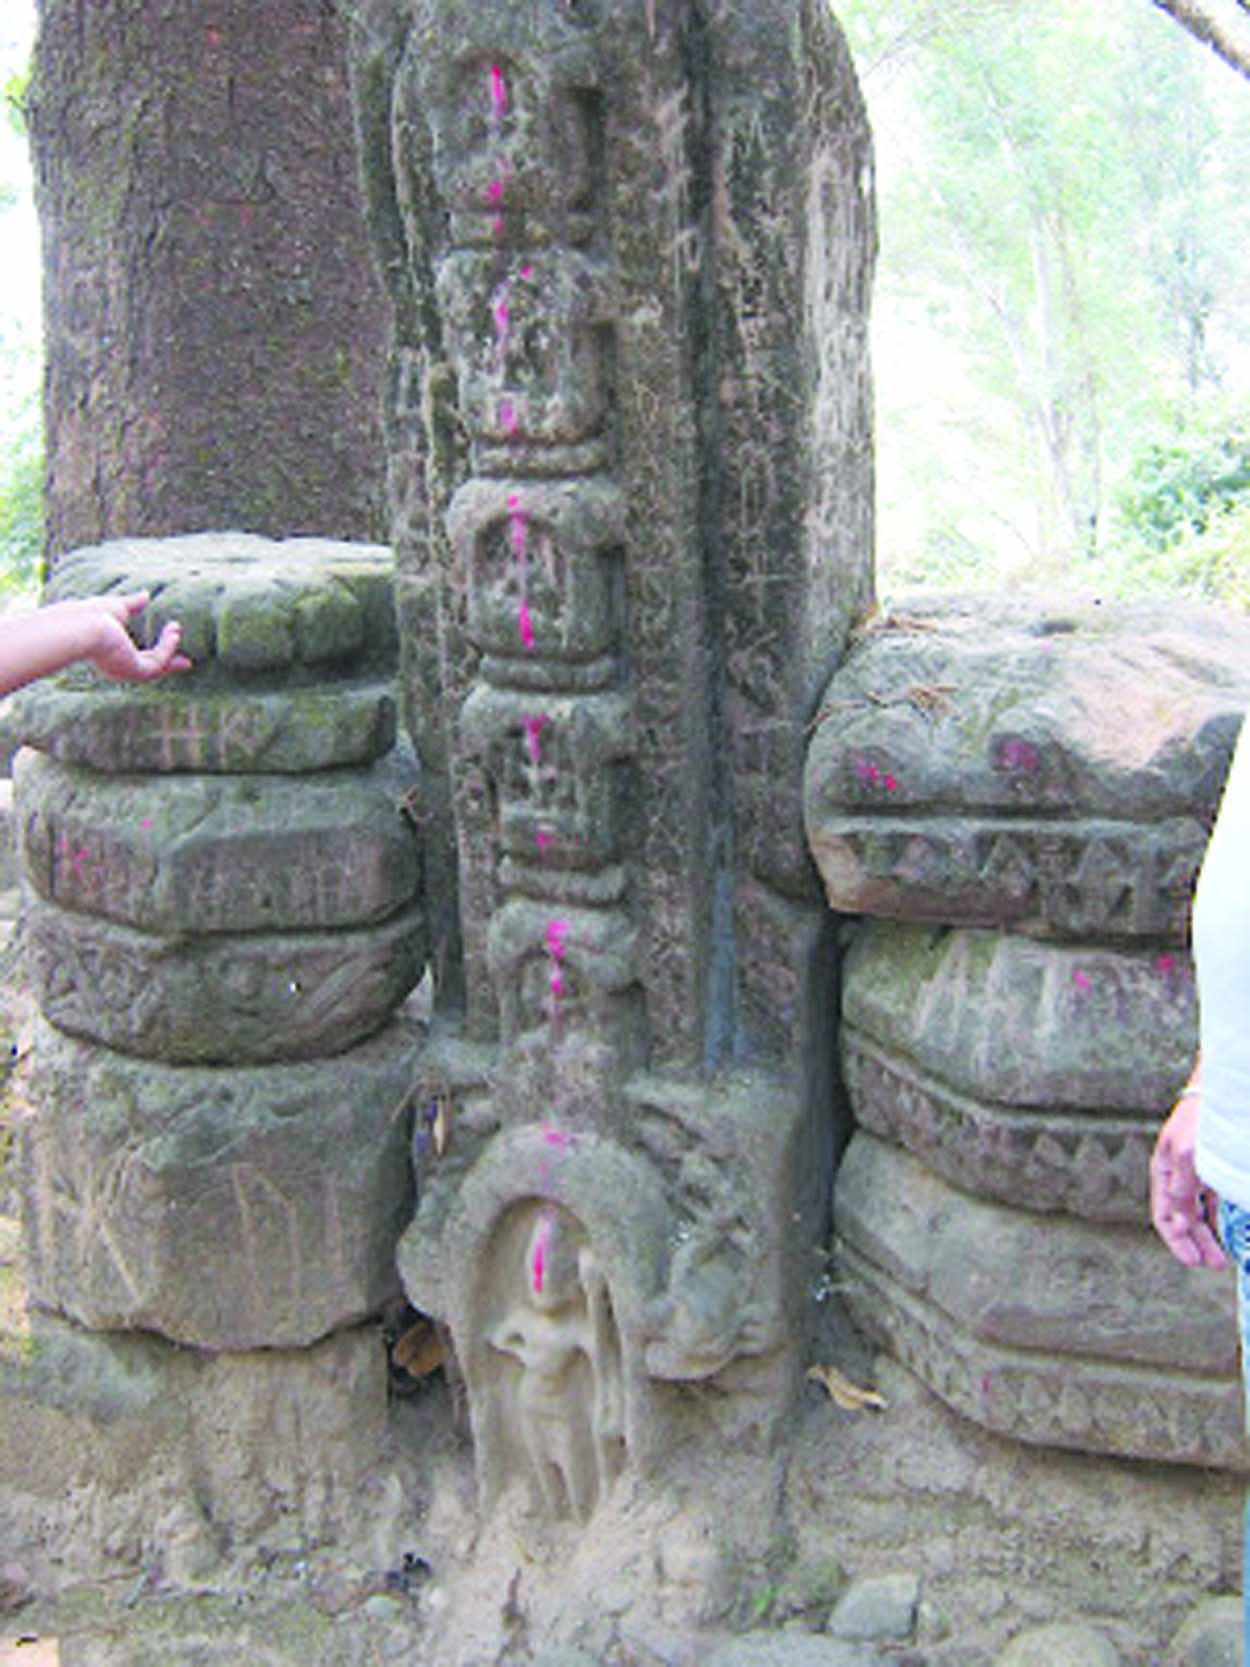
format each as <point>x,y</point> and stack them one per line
<point>496,227</point>
<point>543,840</point>
<point>559,1138</point>
<point>146,823</point>
<point>498,90</point>
<point>557,939</point>
<point>542,1238</point>
<point>508,419</point>
<point>871,776</point>
<point>525,624</point>
<point>533,735</point>
<point>494,191</point>
<point>1166,965</point>
<point>1015,754</point>
<point>1081,979</point>
<point>527,271</point>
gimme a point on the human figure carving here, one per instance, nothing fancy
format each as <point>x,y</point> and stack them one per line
<point>568,1396</point>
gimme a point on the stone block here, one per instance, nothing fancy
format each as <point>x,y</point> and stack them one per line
<point>997,762</point>
<point>228,1209</point>
<point>248,605</point>
<point>1035,1073</point>
<point>1050,1330</point>
<point>206,854</point>
<point>220,999</point>
<point>1064,1644</point>
<point>181,725</point>
<point>114,1446</point>
<point>1005,1019</point>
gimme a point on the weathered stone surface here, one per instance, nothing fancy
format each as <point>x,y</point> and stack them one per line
<point>1095,1167</point>
<point>220,999</point>
<point>112,1445</point>
<point>1033,1072</point>
<point>791,1649</point>
<point>250,605</point>
<point>183,726</point>
<point>1043,1026</point>
<point>229,1209</point>
<point>1211,1637</point>
<point>1051,1331</point>
<point>879,1608</point>
<point>993,762</point>
<point>1062,1645</point>
<point>215,853</point>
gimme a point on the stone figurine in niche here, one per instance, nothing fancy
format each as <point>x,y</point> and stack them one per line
<point>560,1369</point>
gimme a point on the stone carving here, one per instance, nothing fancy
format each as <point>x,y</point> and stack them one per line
<point>190,927</point>
<point>583,224</point>
<point>1094,1167</point>
<point>220,998</point>
<point>1039,1329</point>
<point>303,855</point>
<point>562,1368</point>
<point>995,765</point>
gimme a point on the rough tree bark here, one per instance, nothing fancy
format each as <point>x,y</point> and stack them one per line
<point>215,333</point>
<point>1224,28</point>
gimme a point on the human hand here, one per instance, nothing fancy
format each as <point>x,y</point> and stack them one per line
<point>111,650</point>
<point>1182,1210</point>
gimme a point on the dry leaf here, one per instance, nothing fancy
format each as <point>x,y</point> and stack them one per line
<point>849,1396</point>
<point>419,1351</point>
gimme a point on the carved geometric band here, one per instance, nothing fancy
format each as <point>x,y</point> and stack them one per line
<point>1048,1400</point>
<point>1095,1166</point>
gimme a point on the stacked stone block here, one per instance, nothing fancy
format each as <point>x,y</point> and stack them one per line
<point>1018,798</point>
<point>221,879</point>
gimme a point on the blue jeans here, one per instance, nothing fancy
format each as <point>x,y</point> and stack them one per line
<point>1233,1227</point>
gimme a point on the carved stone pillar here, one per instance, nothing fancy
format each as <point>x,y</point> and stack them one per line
<point>1022,795</point>
<point>628,243</point>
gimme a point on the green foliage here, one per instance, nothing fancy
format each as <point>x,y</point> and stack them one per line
<point>16,87</point>
<point>21,513</point>
<point>1211,564</point>
<point>1063,214</point>
<point>1180,486</point>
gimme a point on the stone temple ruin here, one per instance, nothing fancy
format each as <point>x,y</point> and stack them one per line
<point>726,887</point>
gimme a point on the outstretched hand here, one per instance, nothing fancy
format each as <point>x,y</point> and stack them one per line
<point>90,629</point>
<point>1182,1209</point>
<point>115,655</point>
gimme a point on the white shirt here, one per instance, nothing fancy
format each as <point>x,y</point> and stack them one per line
<point>1221,937</point>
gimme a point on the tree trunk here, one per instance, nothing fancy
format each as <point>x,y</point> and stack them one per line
<point>215,332</point>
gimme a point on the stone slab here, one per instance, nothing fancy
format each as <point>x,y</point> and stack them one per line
<point>229,1209</point>
<point>249,605</point>
<point>219,854</point>
<point>1014,1022</point>
<point>220,999</point>
<point>183,725</point>
<point>1094,1167</point>
<point>1048,1330</point>
<point>120,1450</point>
<point>998,760</point>
<point>1009,1277</point>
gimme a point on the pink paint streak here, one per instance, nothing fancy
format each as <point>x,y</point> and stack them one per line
<point>533,735</point>
<point>525,624</point>
<point>494,191</point>
<point>508,419</point>
<point>498,91</point>
<point>543,840</point>
<point>1166,965</point>
<point>1081,979</point>
<point>542,1238</point>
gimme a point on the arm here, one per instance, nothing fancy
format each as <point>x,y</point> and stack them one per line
<point>1180,1207</point>
<point>93,630</point>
